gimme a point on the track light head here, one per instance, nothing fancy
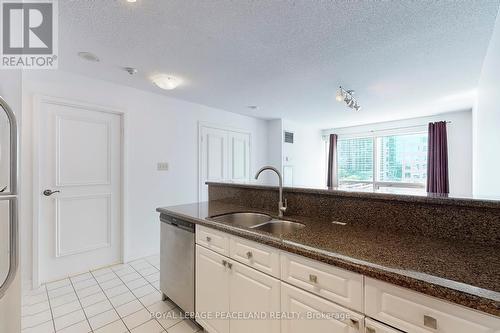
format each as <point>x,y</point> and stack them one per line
<point>348,97</point>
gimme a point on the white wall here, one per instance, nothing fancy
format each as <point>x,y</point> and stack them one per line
<point>306,155</point>
<point>487,122</point>
<point>10,304</point>
<point>459,144</point>
<point>274,147</point>
<point>159,129</point>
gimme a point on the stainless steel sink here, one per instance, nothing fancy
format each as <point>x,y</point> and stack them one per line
<point>244,219</point>
<point>279,227</point>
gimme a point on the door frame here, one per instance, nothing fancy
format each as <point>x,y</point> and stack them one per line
<point>37,103</point>
<point>204,124</point>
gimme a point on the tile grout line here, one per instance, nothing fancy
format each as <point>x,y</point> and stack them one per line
<point>166,329</point>
<point>81,305</point>
<point>158,291</point>
<point>50,307</point>
<point>137,298</point>
<point>112,305</point>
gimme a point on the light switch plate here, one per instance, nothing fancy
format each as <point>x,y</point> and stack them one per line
<point>162,166</point>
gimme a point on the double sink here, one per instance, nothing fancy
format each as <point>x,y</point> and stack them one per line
<point>259,221</point>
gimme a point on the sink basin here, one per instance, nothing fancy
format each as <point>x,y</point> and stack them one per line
<point>244,219</point>
<point>279,227</point>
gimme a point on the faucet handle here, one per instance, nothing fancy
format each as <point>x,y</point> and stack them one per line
<point>283,205</point>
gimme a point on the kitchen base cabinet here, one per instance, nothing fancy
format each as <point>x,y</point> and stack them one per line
<point>413,312</point>
<point>212,291</point>
<point>308,313</point>
<point>237,294</point>
<point>254,292</point>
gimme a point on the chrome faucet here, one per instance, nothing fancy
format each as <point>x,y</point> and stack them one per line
<point>281,205</point>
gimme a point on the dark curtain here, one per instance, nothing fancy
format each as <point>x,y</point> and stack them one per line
<point>437,159</point>
<point>332,162</point>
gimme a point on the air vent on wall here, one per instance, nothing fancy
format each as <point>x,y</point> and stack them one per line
<point>288,137</point>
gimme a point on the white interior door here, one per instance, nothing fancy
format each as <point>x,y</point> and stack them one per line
<point>80,160</point>
<point>224,155</point>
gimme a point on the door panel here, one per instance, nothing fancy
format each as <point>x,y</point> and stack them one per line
<point>89,230</point>
<point>239,156</point>
<point>212,292</point>
<point>79,158</point>
<point>216,156</point>
<point>254,292</point>
<point>82,159</point>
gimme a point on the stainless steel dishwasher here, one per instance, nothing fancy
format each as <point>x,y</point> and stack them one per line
<point>177,261</point>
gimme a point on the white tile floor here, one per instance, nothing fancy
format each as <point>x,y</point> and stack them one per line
<point>115,299</point>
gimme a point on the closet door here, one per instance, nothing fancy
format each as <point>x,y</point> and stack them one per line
<point>224,155</point>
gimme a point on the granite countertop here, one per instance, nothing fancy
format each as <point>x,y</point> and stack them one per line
<point>463,273</point>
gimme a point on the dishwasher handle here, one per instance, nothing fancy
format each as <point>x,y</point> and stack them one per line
<point>178,223</point>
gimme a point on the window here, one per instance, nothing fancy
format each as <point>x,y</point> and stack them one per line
<point>355,159</point>
<point>383,161</point>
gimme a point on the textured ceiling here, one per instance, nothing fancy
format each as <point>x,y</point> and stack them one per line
<point>403,58</point>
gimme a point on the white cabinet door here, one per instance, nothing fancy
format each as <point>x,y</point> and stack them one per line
<point>254,292</point>
<point>212,289</point>
<point>310,309</point>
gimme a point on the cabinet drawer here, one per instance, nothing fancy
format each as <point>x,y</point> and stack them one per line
<point>313,314</point>
<point>213,239</point>
<point>414,312</point>
<point>263,258</point>
<point>338,285</point>
<point>372,326</point>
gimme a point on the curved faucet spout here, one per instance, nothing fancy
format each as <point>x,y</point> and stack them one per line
<point>281,205</point>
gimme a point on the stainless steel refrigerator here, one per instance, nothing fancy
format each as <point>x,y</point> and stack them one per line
<point>8,197</point>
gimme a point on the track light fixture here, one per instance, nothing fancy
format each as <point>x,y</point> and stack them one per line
<point>348,97</point>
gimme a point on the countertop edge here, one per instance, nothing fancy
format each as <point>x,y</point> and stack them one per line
<point>456,296</point>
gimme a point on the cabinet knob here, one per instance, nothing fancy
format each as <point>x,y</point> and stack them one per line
<point>370,330</point>
<point>430,322</point>
<point>313,278</point>
<point>354,323</point>
<point>224,263</point>
<point>249,255</point>
<point>229,265</point>
<point>209,239</point>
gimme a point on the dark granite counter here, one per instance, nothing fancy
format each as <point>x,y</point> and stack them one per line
<point>464,273</point>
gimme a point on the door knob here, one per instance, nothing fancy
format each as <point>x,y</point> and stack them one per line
<point>48,193</point>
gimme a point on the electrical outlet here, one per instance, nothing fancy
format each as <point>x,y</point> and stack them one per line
<point>162,166</point>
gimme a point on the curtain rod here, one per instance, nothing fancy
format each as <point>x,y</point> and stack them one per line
<point>331,131</point>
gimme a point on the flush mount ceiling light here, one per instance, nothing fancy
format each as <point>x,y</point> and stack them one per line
<point>164,81</point>
<point>131,1</point>
<point>348,97</point>
<point>88,56</point>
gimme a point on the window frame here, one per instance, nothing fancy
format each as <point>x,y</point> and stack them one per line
<point>374,135</point>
